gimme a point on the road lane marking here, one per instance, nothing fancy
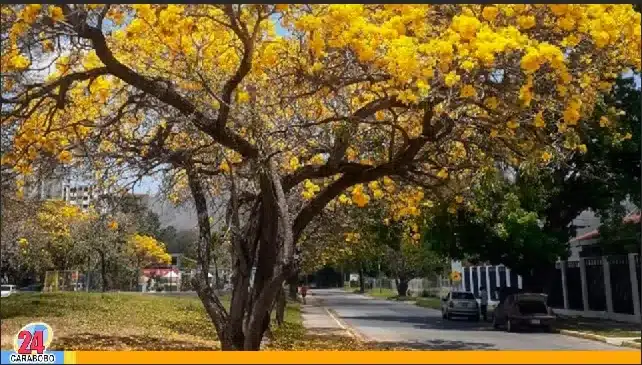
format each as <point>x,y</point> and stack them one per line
<point>351,331</point>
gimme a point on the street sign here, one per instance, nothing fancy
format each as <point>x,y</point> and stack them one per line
<point>455,276</point>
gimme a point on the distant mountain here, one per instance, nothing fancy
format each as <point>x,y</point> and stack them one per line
<point>182,217</point>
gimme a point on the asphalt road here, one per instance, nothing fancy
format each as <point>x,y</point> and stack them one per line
<point>407,325</point>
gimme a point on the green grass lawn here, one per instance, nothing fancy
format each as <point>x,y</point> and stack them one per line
<point>123,321</point>
<point>381,293</point>
<point>600,327</point>
<point>434,303</point>
<point>384,293</point>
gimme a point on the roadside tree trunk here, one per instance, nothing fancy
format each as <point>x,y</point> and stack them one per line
<point>264,242</point>
<point>402,287</point>
<point>103,271</point>
<point>280,307</point>
<point>266,239</point>
<point>362,282</point>
<point>293,284</point>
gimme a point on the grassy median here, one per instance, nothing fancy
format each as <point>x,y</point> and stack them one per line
<point>429,302</point>
<point>602,327</point>
<point>134,321</point>
<point>111,321</point>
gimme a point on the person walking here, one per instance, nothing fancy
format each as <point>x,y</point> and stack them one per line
<point>304,292</point>
<point>483,294</point>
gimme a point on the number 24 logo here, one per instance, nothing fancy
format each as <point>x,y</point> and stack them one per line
<point>31,342</point>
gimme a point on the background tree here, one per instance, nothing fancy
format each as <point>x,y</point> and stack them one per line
<point>525,220</point>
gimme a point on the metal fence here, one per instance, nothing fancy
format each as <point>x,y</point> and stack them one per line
<point>556,296</point>
<point>574,285</point>
<point>595,284</point>
<point>621,284</point>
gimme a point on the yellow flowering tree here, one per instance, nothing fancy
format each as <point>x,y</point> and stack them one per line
<point>148,250</point>
<point>288,121</point>
<point>54,236</point>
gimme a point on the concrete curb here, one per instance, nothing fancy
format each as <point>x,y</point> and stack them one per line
<point>631,344</point>
<point>351,331</point>
<point>622,342</point>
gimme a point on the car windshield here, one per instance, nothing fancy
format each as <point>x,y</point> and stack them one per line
<point>531,307</point>
<point>463,296</point>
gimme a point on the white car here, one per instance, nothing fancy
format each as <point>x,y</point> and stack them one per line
<point>7,290</point>
<point>460,303</point>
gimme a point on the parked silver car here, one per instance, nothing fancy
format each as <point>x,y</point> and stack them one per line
<point>7,290</point>
<point>460,304</point>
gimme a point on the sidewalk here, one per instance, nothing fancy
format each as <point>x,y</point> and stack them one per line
<point>325,331</point>
<point>318,321</point>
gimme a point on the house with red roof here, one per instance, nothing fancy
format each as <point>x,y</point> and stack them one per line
<point>585,244</point>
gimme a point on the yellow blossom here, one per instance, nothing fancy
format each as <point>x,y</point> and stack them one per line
<point>56,13</point>
<point>468,91</point>
<point>113,225</point>
<point>490,13</point>
<point>546,156</point>
<point>242,97</point>
<point>451,78</point>
<point>65,157</point>
<point>604,122</point>
<point>539,120</point>
<point>526,22</point>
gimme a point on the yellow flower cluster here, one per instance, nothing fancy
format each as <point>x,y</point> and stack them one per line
<point>412,52</point>
<point>56,218</point>
<point>148,248</point>
<point>309,189</point>
<point>352,236</point>
<point>359,197</point>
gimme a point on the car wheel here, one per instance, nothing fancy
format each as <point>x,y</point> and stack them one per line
<point>510,327</point>
<point>549,329</point>
<point>495,324</point>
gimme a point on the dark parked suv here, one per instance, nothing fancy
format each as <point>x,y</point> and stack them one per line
<point>524,310</point>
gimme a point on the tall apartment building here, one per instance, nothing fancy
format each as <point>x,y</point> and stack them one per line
<point>80,194</point>
<point>74,191</point>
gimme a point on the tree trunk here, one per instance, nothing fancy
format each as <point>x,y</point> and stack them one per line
<point>362,282</point>
<point>280,307</point>
<point>293,284</point>
<point>402,287</point>
<point>265,242</point>
<point>103,271</point>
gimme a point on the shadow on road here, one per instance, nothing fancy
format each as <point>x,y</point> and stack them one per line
<point>435,345</point>
<point>425,322</point>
